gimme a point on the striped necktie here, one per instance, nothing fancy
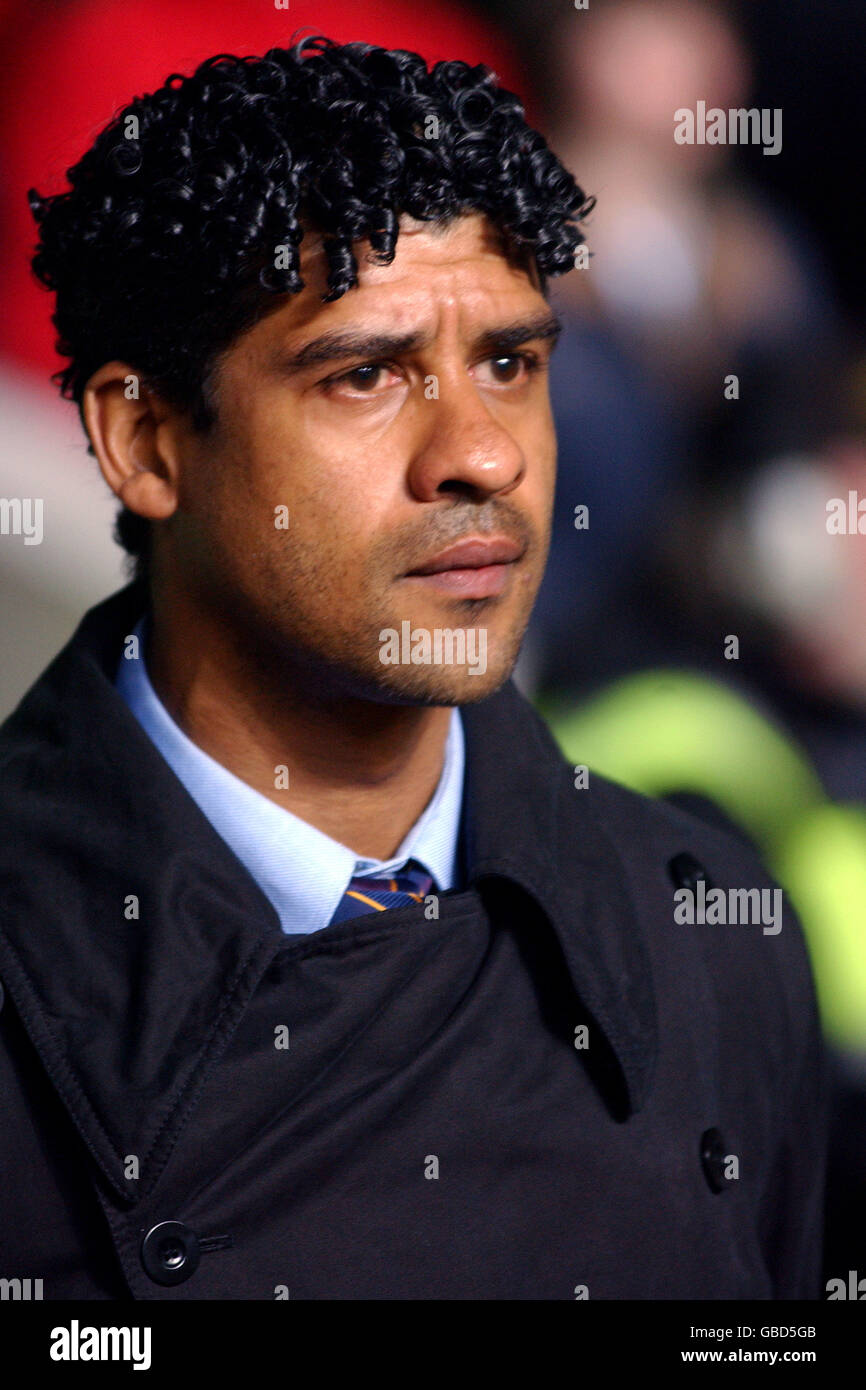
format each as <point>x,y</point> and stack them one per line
<point>410,885</point>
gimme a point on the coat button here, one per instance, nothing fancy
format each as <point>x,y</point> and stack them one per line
<point>686,870</point>
<point>713,1158</point>
<point>170,1252</point>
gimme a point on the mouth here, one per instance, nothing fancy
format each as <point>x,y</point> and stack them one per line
<point>474,568</point>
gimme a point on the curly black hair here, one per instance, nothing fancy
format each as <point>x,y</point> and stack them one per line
<point>182,222</point>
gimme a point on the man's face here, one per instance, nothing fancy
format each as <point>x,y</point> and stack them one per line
<point>391,424</point>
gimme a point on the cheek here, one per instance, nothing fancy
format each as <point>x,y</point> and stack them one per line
<point>537,430</point>
<point>541,466</point>
<point>297,523</point>
<point>326,481</point>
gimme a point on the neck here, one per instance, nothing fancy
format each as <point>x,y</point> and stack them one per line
<point>359,771</point>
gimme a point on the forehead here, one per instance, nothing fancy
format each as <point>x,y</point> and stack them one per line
<point>464,268</point>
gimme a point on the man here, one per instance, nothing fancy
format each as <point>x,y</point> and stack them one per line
<point>326,976</point>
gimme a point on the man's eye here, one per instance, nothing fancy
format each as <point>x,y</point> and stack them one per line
<point>362,378</point>
<point>508,368</point>
<point>512,367</point>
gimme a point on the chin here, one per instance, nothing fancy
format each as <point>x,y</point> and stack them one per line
<point>416,685</point>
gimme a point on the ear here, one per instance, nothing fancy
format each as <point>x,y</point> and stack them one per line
<point>134,435</point>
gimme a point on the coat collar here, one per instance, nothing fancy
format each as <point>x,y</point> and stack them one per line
<point>95,826</point>
<point>526,822</point>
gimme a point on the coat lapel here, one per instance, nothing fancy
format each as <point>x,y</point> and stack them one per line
<point>127,1011</point>
<point>528,823</point>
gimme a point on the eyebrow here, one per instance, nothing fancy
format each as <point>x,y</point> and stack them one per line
<point>337,346</point>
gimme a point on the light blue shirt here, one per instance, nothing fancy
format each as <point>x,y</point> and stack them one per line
<point>302,871</point>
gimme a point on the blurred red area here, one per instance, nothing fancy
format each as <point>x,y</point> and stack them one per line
<point>69,67</point>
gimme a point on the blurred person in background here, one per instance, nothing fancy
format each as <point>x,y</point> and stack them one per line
<point>694,278</point>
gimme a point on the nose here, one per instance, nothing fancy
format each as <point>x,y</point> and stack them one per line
<point>464,448</point>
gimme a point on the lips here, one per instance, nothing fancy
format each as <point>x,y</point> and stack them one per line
<point>478,568</point>
<point>472,555</point>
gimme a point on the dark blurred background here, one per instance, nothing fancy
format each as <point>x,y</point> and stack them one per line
<point>701,633</point>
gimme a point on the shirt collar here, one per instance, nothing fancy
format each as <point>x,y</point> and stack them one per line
<point>301,870</point>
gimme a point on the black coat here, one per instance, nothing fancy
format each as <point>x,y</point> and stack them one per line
<point>432,1129</point>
